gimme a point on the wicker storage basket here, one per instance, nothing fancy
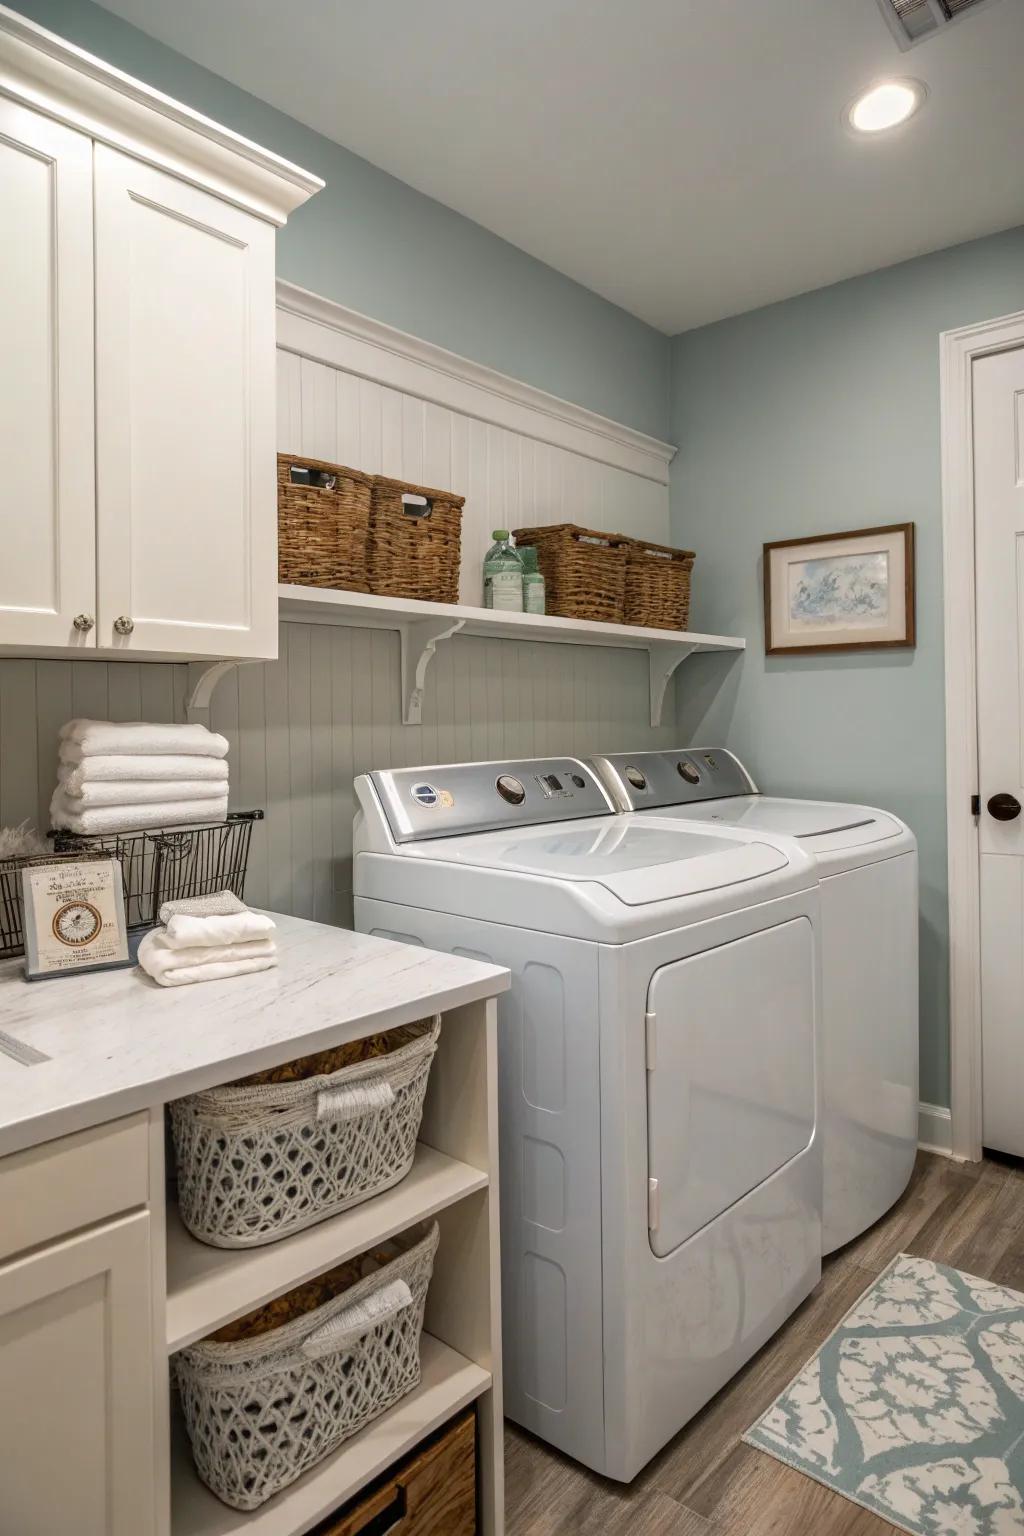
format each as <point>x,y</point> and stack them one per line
<point>584,571</point>
<point>658,585</point>
<point>269,1396</point>
<point>323,524</point>
<point>415,536</point>
<point>277,1152</point>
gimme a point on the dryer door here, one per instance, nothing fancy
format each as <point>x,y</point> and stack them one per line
<point>730,1082</point>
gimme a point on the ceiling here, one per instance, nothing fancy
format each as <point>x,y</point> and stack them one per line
<point>687,159</point>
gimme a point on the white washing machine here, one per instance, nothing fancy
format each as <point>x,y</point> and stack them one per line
<point>867,863</point>
<point>660,1175</point>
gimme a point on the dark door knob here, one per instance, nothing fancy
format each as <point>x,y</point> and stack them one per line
<point>1004,807</point>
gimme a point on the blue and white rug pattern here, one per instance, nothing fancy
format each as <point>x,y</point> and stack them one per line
<point>914,1408</point>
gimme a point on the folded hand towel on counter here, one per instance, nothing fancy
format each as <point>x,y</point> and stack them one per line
<point>215,904</point>
<point>79,795</point>
<point>70,816</point>
<point>178,967</point>
<point>76,769</point>
<point>102,738</point>
<point>185,932</point>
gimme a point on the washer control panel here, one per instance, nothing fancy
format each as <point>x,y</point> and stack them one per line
<point>639,781</point>
<point>480,797</point>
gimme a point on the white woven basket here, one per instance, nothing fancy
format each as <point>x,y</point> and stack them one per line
<point>258,1162</point>
<point>262,1411</point>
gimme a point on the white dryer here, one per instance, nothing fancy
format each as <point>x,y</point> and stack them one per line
<point>660,1179</point>
<point>867,862</point>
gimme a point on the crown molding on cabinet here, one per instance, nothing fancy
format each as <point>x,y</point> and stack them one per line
<point>43,71</point>
<point>330,333</point>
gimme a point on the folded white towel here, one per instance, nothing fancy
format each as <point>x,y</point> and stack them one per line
<point>214,904</point>
<point>111,770</point>
<point>71,816</point>
<point>186,932</point>
<point>98,738</point>
<point>178,967</point>
<point>79,795</point>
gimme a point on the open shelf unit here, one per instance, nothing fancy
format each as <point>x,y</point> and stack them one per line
<point>450,1182</point>
<point>423,626</point>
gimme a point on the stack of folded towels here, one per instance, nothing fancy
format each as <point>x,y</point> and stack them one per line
<point>207,938</point>
<point>119,778</point>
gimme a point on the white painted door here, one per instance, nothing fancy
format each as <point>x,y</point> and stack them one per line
<point>47,499</point>
<point>185,406</point>
<point>999,518</point>
<point>77,1449</point>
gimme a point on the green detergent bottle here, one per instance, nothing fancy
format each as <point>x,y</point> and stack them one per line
<point>503,575</point>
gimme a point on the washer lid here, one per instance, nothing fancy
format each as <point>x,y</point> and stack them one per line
<point>803,819</point>
<point>637,864</point>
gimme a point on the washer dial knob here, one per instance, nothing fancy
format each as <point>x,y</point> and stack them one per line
<point>511,789</point>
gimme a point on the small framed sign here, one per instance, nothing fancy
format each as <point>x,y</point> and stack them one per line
<point>74,917</point>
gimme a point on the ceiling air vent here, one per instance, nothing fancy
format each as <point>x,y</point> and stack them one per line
<point>911,21</point>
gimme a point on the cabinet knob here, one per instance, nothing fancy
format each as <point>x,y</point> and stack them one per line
<point>124,625</point>
<point>83,622</point>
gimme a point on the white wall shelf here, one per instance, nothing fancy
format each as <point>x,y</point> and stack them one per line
<point>207,1287</point>
<point>449,1382</point>
<point>423,626</point>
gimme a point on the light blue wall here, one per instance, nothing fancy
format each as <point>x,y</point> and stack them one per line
<point>373,243</point>
<point>811,416</point>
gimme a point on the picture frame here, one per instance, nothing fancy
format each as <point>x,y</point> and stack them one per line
<point>74,917</point>
<point>851,591</point>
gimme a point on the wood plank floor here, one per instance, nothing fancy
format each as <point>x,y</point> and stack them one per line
<point>706,1482</point>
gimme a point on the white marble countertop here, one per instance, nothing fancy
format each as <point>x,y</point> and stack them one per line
<point>118,1042</point>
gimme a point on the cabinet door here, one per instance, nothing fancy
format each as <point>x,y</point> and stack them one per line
<point>185,400</point>
<point>47,505</point>
<point>77,1448</point>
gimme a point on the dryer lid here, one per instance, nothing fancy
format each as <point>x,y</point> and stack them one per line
<point>637,864</point>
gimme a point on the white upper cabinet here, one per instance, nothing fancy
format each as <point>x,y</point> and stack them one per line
<point>185,405</point>
<point>140,518</point>
<point>47,574</point>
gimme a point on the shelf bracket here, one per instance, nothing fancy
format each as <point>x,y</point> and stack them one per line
<point>663,660</point>
<point>197,705</point>
<point>419,641</point>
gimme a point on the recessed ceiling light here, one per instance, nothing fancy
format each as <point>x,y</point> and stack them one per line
<point>885,105</point>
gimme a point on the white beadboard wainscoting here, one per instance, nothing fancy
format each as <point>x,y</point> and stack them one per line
<point>359,393</point>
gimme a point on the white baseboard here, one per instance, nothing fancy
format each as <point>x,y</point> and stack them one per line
<point>934,1129</point>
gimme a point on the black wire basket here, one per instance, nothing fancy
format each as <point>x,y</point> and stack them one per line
<point>171,863</point>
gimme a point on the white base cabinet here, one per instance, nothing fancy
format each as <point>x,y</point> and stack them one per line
<point>77,1444</point>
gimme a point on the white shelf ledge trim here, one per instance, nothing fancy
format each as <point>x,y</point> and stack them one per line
<point>207,1287</point>
<point>424,626</point>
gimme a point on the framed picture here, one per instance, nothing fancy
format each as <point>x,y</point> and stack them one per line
<point>74,917</point>
<point>840,591</point>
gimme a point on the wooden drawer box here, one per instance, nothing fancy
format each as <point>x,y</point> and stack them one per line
<point>431,1493</point>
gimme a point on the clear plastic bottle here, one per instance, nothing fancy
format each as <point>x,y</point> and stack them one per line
<point>503,574</point>
<point>533,581</point>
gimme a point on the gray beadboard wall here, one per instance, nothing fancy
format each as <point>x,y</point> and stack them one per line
<point>302,727</point>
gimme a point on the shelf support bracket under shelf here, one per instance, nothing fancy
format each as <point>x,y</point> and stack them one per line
<point>200,697</point>
<point>663,660</point>
<point>419,641</point>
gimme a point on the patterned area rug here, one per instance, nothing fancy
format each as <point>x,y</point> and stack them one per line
<point>914,1408</point>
